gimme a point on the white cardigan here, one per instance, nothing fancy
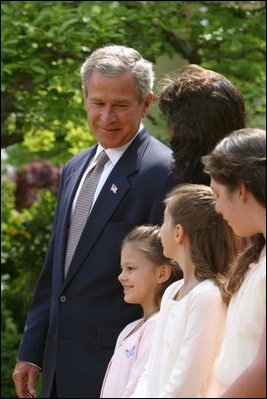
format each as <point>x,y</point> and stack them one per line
<point>244,327</point>
<point>186,343</point>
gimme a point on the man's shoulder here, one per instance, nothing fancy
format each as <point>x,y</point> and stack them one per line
<point>157,151</point>
<point>79,158</point>
<point>154,142</point>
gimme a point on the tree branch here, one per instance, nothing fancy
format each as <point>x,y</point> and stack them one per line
<point>182,47</point>
<point>9,139</point>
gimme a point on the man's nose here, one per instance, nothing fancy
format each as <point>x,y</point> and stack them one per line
<point>108,115</point>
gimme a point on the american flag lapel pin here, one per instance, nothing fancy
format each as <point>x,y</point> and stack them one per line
<point>114,188</point>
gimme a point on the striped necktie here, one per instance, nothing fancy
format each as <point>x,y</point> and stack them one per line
<point>83,207</point>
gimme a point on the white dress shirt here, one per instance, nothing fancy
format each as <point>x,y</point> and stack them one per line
<point>114,155</point>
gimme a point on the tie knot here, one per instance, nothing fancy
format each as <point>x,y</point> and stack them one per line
<point>102,158</point>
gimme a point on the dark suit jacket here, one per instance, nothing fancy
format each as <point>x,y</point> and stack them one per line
<point>73,324</point>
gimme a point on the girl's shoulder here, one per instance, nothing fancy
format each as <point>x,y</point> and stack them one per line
<point>172,289</point>
<point>207,285</point>
<point>127,329</point>
<point>206,291</point>
<point>260,265</point>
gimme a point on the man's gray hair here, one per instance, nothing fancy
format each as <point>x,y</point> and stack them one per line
<point>117,60</point>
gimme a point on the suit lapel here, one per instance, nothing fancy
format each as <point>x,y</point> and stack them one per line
<point>108,200</point>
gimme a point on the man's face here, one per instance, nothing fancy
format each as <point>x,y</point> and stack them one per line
<point>113,109</point>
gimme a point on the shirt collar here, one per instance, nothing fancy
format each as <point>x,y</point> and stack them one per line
<point>114,154</point>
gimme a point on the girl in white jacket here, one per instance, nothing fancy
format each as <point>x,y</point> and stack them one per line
<point>193,310</point>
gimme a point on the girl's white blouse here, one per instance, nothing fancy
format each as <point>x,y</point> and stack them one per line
<point>186,343</point>
<point>244,326</point>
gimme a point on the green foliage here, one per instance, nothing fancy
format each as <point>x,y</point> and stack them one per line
<point>41,57</point>
<point>10,338</point>
<point>9,346</point>
<point>44,44</point>
<point>7,198</point>
<point>78,138</point>
<point>25,237</point>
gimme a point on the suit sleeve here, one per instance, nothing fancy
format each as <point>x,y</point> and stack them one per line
<point>35,331</point>
<point>157,207</point>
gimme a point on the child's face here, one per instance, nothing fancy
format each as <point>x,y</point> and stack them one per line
<point>167,235</point>
<point>138,276</point>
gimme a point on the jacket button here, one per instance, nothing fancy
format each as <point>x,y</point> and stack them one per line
<point>62,298</point>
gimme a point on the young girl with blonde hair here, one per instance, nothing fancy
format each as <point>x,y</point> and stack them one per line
<point>145,274</point>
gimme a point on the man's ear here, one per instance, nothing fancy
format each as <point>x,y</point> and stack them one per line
<point>146,104</point>
<point>164,273</point>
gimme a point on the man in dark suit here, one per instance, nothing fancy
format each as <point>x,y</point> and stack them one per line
<point>76,315</point>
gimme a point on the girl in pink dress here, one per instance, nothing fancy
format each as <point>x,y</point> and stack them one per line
<point>145,274</point>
